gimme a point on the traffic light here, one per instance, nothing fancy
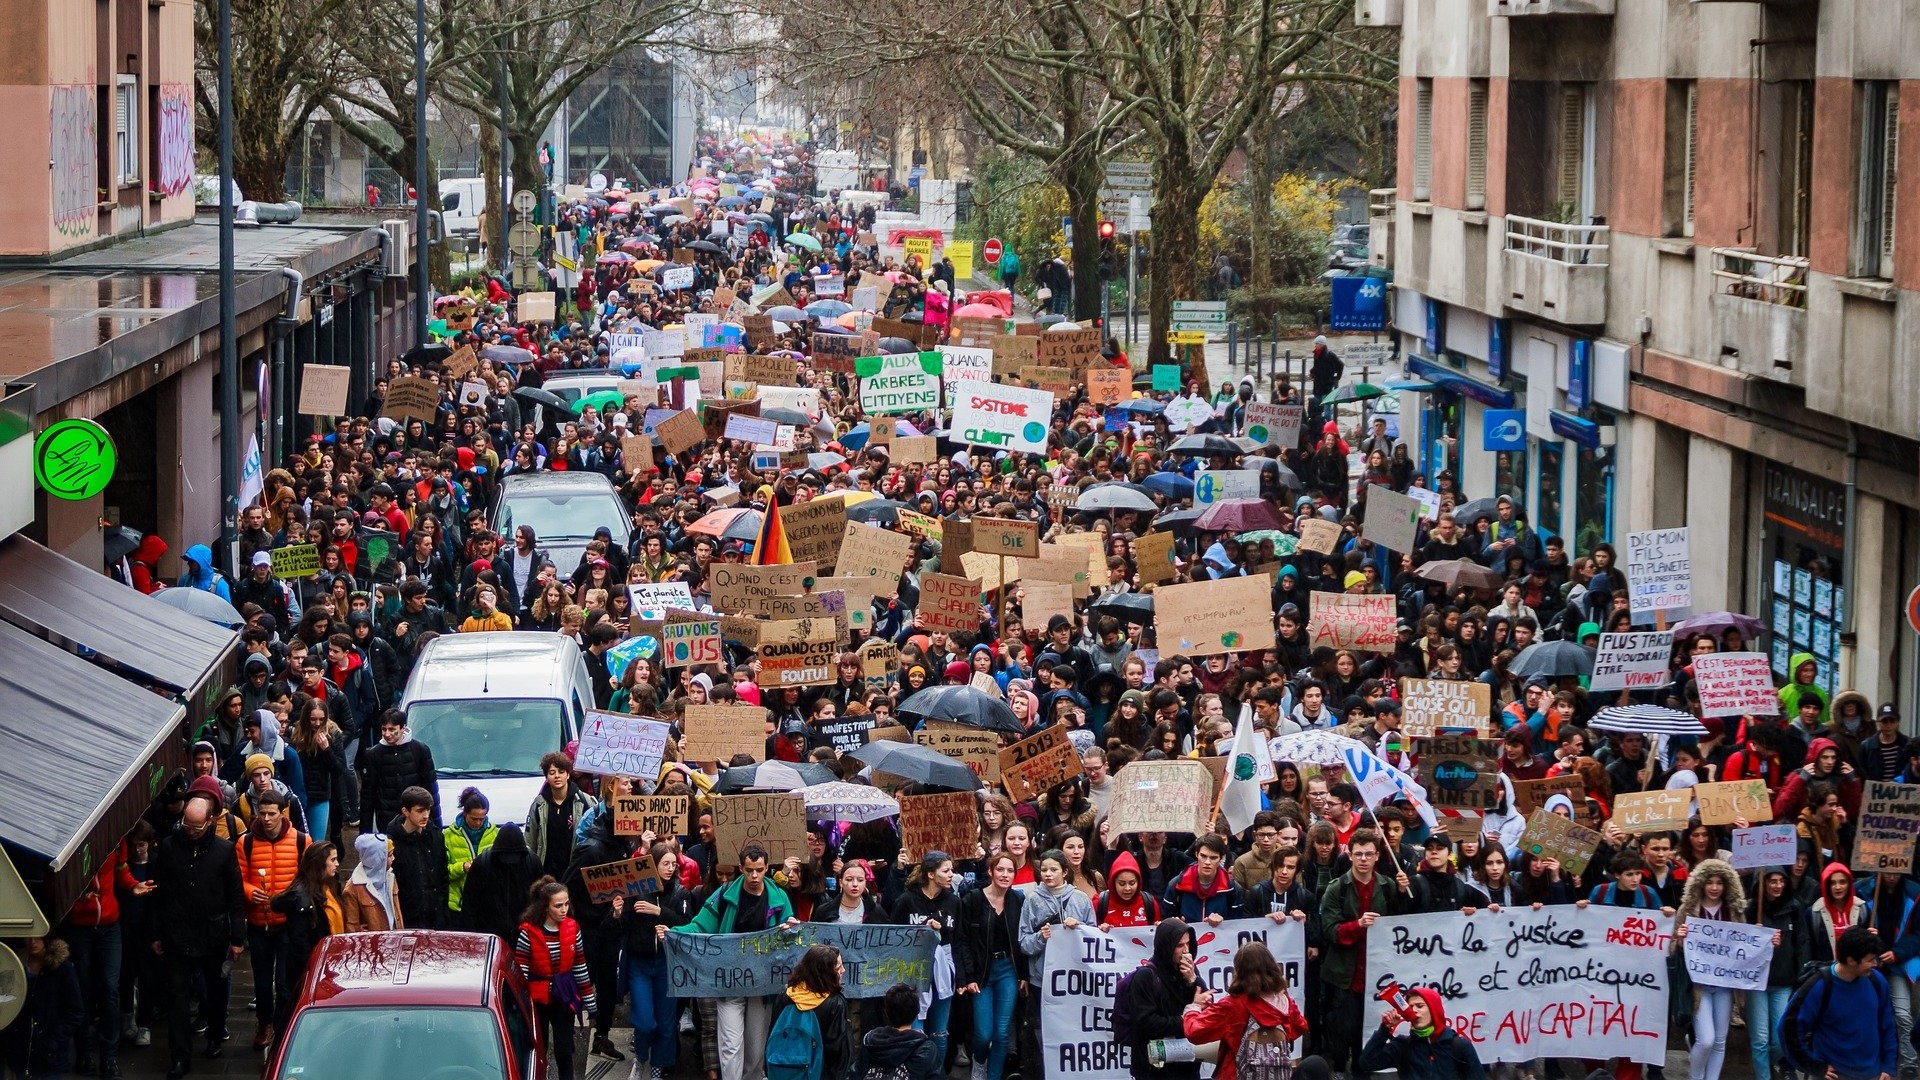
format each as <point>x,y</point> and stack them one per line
<point>1107,229</point>
<point>1107,246</point>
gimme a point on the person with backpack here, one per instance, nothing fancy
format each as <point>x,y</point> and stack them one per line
<point>269,861</point>
<point>745,905</point>
<point>1778,907</point>
<point>989,965</point>
<point>1840,1020</point>
<point>1150,1003</point>
<point>1124,903</point>
<point>554,961</point>
<point>1628,889</point>
<point>1431,1050</point>
<point>810,1038</point>
<point>898,1050</point>
<point>1713,893</point>
<point>1256,1023</point>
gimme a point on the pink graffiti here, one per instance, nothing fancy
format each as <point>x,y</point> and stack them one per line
<point>176,139</point>
<point>75,161</point>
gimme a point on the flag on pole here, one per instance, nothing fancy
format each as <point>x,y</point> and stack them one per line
<point>770,545</point>
<point>1240,796</point>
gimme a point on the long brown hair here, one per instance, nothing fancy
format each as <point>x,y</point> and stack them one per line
<point>312,875</point>
<point>1255,974</point>
<point>540,896</point>
<point>818,970</point>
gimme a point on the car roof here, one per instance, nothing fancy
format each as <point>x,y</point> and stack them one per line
<point>547,481</point>
<point>404,967</point>
<point>520,664</point>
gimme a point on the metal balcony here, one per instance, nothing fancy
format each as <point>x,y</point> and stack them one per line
<point>1557,271</point>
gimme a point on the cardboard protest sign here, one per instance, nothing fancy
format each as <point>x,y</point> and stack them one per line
<point>949,822</point>
<point>1463,771</point>
<point>1038,764</point>
<point>461,363</point>
<point>764,370</point>
<point>872,552</point>
<point>1012,352</point>
<point>1430,706</point>
<point>949,603</point>
<point>899,383</point>
<point>1735,684</point>
<point>1201,618</point>
<point>411,397</point>
<point>1653,811</point>
<point>1659,574</point>
<point>1319,535</point>
<point>1531,795</point>
<point>1353,621</point>
<point>837,352</point>
<point>1889,824</point>
<point>914,450</point>
<point>857,596</point>
<point>1597,973</point>
<point>777,823</point>
<point>1006,536</point>
<point>1393,520</point>
<point>1730,800</point>
<point>681,432</point>
<point>1040,601</point>
<point>814,530</point>
<point>616,744</point>
<point>1271,424</point>
<point>1001,417</point>
<point>662,815</point>
<point>636,455</point>
<point>922,335</point>
<point>1109,385</point>
<point>1057,381</point>
<point>691,642</point>
<point>878,658</point>
<point>973,747</point>
<point>629,878</point>
<point>660,595</point>
<point>737,588</point>
<point>1764,845</point>
<point>718,732</point>
<point>323,389</point>
<point>535,307</point>
<point>797,652</point>
<point>985,569</point>
<point>715,415</point>
<point>1728,954</point>
<point>1161,796</point>
<point>878,956</point>
<point>1075,349</point>
<point>1632,661</point>
<point>1153,554</point>
<point>295,560</point>
<point>1550,836</point>
<point>977,332</point>
<point>1051,562</point>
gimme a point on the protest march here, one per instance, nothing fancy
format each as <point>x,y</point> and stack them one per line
<point>900,686</point>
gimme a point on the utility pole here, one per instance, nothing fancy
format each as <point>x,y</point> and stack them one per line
<point>422,287</point>
<point>229,345</point>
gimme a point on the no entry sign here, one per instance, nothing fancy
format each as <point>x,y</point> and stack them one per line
<point>991,252</point>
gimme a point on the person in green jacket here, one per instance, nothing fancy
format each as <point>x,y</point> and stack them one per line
<point>1804,669</point>
<point>469,835</point>
<point>748,903</point>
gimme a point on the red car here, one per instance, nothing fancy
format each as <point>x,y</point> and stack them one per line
<point>414,1004</point>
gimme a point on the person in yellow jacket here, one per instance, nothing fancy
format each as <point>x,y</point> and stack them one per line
<point>469,835</point>
<point>485,616</point>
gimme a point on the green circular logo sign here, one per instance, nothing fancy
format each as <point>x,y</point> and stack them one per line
<point>74,459</point>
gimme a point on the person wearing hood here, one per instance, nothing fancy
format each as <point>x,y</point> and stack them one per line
<point>369,899</point>
<point>1823,762</point>
<point>1713,893</point>
<point>1125,903</point>
<point>896,1045</point>
<point>1204,892</point>
<point>144,564</point>
<point>346,671</point>
<point>259,780</point>
<point>1153,999</point>
<point>379,657</point>
<point>226,729</point>
<point>1051,904</point>
<point>391,766</point>
<point>198,573</point>
<point>1431,1050</point>
<point>1803,686</point>
<point>1255,1022</point>
<point>1777,907</point>
<point>498,883</point>
<point>1831,913</point>
<point>814,988</point>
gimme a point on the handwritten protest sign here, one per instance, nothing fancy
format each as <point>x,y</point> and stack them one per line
<point>737,588</point>
<point>1653,811</point>
<point>660,595</point>
<point>1889,825</point>
<point>1350,621</point>
<point>872,552</point>
<point>295,560</point>
<point>949,603</point>
<point>1728,954</point>
<point>628,877</point>
<point>1531,795</point>
<point>778,823</point>
<point>1038,763</point>
<point>1632,661</point>
<point>1430,706</point>
<point>691,642</point>
<point>1161,796</point>
<point>1522,985</point>
<point>681,432</point>
<point>797,652</point>
<point>948,821</point>
<point>615,744</point>
<point>877,956</point>
<point>718,732</point>
<point>1319,535</point>
<point>1153,554</point>
<point>1393,519</point>
<point>1085,966</point>
<point>814,530</point>
<point>1550,836</point>
<point>1108,385</point>
<point>1659,574</point>
<point>1733,800</point>
<point>1735,684</point>
<point>1463,771</point>
<point>535,307</point>
<point>323,389</point>
<point>1764,845</point>
<point>1001,417</point>
<point>899,383</point>
<point>976,749</point>
<point>662,815</point>
<point>1005,536</point>
<point>1012,352</point>
<point>1201,618</point>
<point>411,397</point>
<point>1274,424</point>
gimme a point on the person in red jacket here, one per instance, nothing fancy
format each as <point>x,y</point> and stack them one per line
<point>145,563</point>
<point>1125,903</point>
<point>1823,763</point>
<point>551,955</point>
<point>1257,998</point>
<point>92,934</point>
<point>1757,756</point>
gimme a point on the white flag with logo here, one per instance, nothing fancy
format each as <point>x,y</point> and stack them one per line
<point>1240,798</point>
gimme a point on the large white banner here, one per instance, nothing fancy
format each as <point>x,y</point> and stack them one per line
<point>1559,982</point>
<point>1085,965</point>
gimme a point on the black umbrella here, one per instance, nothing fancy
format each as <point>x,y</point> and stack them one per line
<point>545,398</point>
<point>1552,658</point>
<point>961,704</point>
<point>1475,510</point>
<point>117,542</point>
<point>778,776</point>
<point>877,512</point>
<point>921,764</point>
<point>780,415</point>
<point>1204,444</point>
<point>707,246</point>
<point>434,352</point>
<point>1130,607</point>
<point>894,345</point>
<point>1177,520</point>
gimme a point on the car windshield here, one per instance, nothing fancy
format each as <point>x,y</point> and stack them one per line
<point>424,1043</point>
<point>488,736</point>
<point>571,392</point>
<point>572,515</point>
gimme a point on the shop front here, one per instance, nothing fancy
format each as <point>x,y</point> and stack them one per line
<point>1803,531</point>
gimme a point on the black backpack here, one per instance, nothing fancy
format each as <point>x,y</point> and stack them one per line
<point>1797,1043</point>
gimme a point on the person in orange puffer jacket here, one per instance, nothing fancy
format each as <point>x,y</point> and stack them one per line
<point>269,862</point>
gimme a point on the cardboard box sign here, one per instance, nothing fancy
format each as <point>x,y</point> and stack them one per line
<point>323,389</point>
<point>662,815</point>
<point>766,370</point>
<point>462,363</point>
<point>1006,536</point>
<point>630,878</point>
<point>948,821</point>
<point>1662,811</point>
<point>797,652</point>
<point>718,732</point>
<point>1161,796</point>
<point>411,397</point>
<point>868,551</point>
<point>1724,802</point>
<point>1201,618</point>
<point>777,823</point>
<point>739,588</point>
<point>815,529</point>
<point>949,603</point>
<point>1038,763</point>
<point>978,750</point>
<point>1551,836</point>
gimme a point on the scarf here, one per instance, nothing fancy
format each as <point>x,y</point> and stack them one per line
<point>372,872</point>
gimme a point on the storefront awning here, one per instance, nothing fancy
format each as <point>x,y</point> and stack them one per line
<point>82,754</point>
<point>1577,428</point>
<point>52,596</point>
<point>1410,386</point>
<point>1446,378</point>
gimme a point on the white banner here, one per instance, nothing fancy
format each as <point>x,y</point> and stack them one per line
<point>1085,965</point>
<point>1523,984</point>
<point>1659,574</point>
<point>1733,955</point>
<point>964,365</point>
<point>1632,661</point>
<point>1001,417</point>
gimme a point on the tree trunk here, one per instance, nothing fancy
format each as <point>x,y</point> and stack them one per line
<point>1260,160</point>
<point>490,171</point>
<point>260,152</point>
<point>1177,193</point>
<point>1079,173</point>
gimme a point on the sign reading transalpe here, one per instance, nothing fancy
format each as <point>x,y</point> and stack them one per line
<point>757,965</point>
<point>1523,985</point>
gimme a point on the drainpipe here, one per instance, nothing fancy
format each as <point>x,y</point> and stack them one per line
<point>1850,546</point>
<point>282,376</point>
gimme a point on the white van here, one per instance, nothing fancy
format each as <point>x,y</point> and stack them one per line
<point>462,200</point>
<point>489,705</point>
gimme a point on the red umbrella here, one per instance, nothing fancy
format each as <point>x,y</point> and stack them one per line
<point>979,311</point>
<point>1238,516</point>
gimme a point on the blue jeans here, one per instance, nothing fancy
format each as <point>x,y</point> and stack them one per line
<point>96,957</point>
<point>935,1025</point>
<point>656,1030</point>
<point>1765,1009</point>
<point>993,1017</point>
<point>319,816</point>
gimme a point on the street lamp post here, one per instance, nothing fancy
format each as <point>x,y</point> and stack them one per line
<point>229,346</point>
<point>421,288</point>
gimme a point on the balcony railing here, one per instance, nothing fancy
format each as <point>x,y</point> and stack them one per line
<point>1380,202</point>
<point>1770,279</point>
<point>1575,245</point>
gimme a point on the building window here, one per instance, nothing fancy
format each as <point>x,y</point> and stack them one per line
<point>1477,144</point>
<point>1592,498</point>
<point>1574,163</point>
<point>1548,504</point>
<point>126,129</point>
<point>1878,159</point>
<point>1423,140</point>
<point>1796,166</point>
<point>1677,177</point>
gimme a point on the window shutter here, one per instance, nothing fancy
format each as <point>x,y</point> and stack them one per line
<point>1476,145</point>
<point>1423,141</point>
<point>1573,122</point>
<point>1692,147</point>
<point>1889,166</point>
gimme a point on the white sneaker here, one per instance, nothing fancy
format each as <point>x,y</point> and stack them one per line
<point>979,1071</point>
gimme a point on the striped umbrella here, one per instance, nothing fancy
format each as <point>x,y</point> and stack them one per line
<point>1648,720</point>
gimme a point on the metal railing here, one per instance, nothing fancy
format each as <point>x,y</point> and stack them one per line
<point>1575,245</point>
<point>1380,202</point>
<point>1770,279</point>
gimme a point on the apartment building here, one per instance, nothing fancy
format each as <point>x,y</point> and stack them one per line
<point>1655,265</point>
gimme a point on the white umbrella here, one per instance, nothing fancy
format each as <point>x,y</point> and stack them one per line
<point>855,803</point>
<point>1648,720</point>
<point>1376,777</point>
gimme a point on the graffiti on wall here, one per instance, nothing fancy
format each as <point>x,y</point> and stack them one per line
<point>75,160</point>
<point>176,139</point>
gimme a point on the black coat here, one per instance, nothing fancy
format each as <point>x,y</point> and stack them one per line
<point>386,771</point>
<point>198,905</point>
<point>973,945</point>
<point>40,1041</point>
<point>836,1035</point>
<point>1156,995</point>
<point>497,889</point>
<point>677,905</point>
<point>306,925</point>
<point>420,875</point>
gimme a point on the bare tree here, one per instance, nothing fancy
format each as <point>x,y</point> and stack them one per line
<point>283,71</point>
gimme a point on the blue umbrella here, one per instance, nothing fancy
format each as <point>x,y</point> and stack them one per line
<point>828,309</point>
<point>1170,484</point>
<point>732,201</point>
<point>787,313</point>
<point>860,434</point>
